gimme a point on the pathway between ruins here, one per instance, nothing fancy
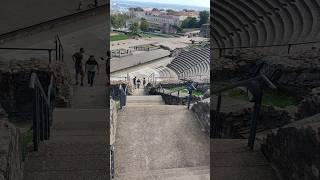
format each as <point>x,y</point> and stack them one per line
<point>77,148</point>
<point>157,141</point>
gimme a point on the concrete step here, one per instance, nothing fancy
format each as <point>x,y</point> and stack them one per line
<point>73,162</point>
<point>89,97</point>
<point>159,137</point>
<point>50,149</point>
<point>152,110</point>
<point>66,175</point>
<point>231,159</point>
<point>199,172</point>
<point>145,99</point>
<point>69,115</point>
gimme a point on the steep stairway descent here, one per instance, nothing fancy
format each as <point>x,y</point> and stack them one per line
<point>231,159</point>
<point>77,147</point>
<point>157,141</point>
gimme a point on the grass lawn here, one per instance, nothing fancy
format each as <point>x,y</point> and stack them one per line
<point>119,37</point>
<point>184,90</point>
<point>270,97</point>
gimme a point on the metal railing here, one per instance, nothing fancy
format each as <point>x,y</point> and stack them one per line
<point>255,86</point>
<point>120,94</point>
<point>42,110</point>
<point>289,47</point>
<point>58,49</point>
<point>123,95</point>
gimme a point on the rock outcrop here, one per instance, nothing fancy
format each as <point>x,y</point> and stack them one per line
<point>11,164</point>
<point>295,149</point>
<point>310,105</point>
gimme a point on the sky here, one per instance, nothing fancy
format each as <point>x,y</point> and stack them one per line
<point>202,3</point>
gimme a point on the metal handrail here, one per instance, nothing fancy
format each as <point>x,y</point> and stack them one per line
<point>289,45</point>
<point>123,95</point>
<point>58,50</point>
<point>257,91</point>
<point>42,110</point>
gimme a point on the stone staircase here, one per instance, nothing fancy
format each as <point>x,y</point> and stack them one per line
<point>231,159</point>
<point>76,149</point>
<point>155,141</point>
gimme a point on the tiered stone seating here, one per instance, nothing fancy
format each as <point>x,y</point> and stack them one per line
<point>250,23</point>
<point>192,64</point>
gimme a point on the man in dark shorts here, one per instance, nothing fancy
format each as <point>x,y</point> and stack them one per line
<point>77,59</point>
<point>91,68</point>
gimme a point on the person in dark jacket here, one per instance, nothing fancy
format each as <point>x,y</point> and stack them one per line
<point>77,59</point>
<point>92,67</point>
<point>138,83</point>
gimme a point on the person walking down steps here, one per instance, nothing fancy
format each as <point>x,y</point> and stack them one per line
<point>138,83</point>
<point>134,82</point>
<point>144,82</point>
<point>91,68</point>
<point>77,59</point>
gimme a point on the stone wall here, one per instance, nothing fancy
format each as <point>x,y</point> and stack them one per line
<point>310,105</point>
<point>175,100</point>
<point>202,111</point>
<point>295,149</point>
<point>113,121</point>
<point>295,74</point>
<point>11,164</point>
<point>237,123</point>
<point>15,94</point>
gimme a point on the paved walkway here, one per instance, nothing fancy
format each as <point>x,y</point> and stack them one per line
<point>231,159</point>
<point>77,148</point>
<point>78,143</point>
<point>157,141</point>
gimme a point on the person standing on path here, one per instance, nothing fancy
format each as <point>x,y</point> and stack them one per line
<point>134,82</point>
<point>80,4</point>
<point>91,68</point>
<point>77,59</point>
<point>144,82</point>
<point>138,83</point>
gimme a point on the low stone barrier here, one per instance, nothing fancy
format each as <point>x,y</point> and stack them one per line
<point>202,111</point>
<point>11,164</point>
<point>15,94</point>
<point>295,149</point>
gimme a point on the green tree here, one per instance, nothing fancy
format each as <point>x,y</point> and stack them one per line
<point>118,20</point>
<point>144,25</point>
<point>204,17</point>
<point>134,28</point>
<point>190,22</point>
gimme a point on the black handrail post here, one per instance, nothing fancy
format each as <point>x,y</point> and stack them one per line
<point>255,116</point>
<point>56,44</point>
<point>217,124</point>
<point>189,99</point>
<point>49,56</point>
<point>34,120</point>
<point>289,48</point>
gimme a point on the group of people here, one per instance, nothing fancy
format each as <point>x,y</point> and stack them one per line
<point>91,67</point>
<point>94,4</point>
<point>137,83</point>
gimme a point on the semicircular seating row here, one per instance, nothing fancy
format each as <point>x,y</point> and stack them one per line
<point>250,23</point>
<point>193,64</point>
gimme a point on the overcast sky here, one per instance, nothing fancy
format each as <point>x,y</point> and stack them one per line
<point>203,3</point>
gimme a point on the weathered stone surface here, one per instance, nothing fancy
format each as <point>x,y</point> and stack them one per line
<point>202,111</point>
<point>15,76</point>
<point>236,124</point>
<point>310,105</point>
<point>296,74</point>
<point>295,149</point>
<point>113,121</point>
<point>11,164</point>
